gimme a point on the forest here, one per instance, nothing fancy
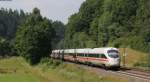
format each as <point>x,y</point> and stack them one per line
<point>28,34</point>
<point>118,23</point>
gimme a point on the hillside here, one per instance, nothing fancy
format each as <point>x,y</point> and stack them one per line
<point>119,23</point>
<point>133,57</point>
<point>17,70</point>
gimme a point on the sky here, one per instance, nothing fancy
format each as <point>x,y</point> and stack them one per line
<point>52,9</point>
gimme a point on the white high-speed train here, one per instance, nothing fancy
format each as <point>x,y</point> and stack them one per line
<point>107,57</point>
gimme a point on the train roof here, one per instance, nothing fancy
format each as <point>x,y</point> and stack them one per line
<point>86,50</point>
<point>106,48</point>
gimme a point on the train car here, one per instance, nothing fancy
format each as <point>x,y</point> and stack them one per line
<point>107,57</point>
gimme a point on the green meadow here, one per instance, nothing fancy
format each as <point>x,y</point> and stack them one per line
<point>15,69</point>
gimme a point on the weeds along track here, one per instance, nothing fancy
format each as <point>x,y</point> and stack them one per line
<point>131,74</point>
<point>136,74</point>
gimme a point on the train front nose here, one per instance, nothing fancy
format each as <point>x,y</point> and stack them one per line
<point>114,59</point>
<point>114,62</point>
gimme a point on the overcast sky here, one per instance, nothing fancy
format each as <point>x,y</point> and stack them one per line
<point>53,9</point>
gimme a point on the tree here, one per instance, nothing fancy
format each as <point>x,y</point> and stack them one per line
<point>33,38</point>
<point>5,48</point>
<point>9,21</point>
<point>58,40</point>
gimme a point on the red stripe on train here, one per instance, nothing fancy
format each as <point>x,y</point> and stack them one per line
<point>87,58</point>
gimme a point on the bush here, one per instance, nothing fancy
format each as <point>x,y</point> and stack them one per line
<point>49,62</point>
<point>56,63</point>
<point>45,60</point>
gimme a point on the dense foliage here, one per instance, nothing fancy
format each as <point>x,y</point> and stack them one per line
<point>119,23</point>
<point>27,24</point>
<point>58,40</point>
<point>33,38</point>
<point>9,21</point>
<point>5,48</point>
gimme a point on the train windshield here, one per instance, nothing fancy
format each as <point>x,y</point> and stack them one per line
<point>113,53</point>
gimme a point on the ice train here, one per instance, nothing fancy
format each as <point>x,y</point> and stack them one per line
<point>107,57</point>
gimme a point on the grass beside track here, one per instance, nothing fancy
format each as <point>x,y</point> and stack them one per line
<point>15,69</point>
<point>132,56</point>
<point>69,72</point>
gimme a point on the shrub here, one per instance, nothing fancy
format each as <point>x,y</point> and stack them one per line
<point>49,62</point>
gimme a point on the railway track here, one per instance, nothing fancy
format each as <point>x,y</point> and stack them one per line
<point>133,75</point>
<point>136,74</point>
<point>129,73</point>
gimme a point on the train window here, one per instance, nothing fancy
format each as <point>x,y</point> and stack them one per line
<point>93,55</point>
<point>86,55</point>
<point>90,55</point>
<point>71,54</point>
<point>113,53</point>
<point>103,56</point>
<point>82,55</point>
<point>97,55</point>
